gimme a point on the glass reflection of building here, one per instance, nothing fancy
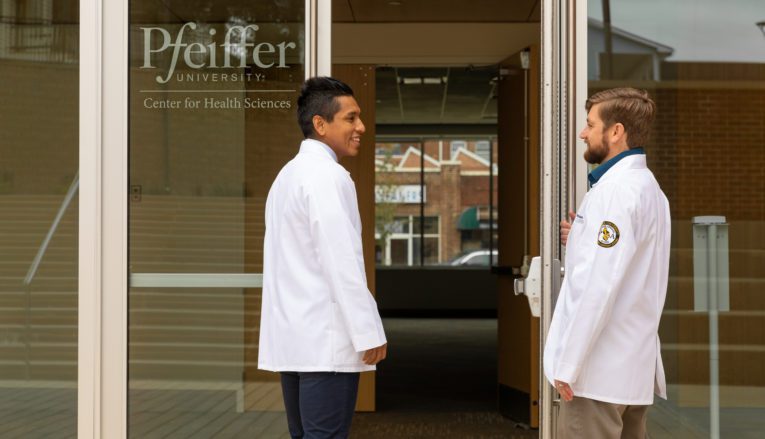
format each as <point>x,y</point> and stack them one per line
<point>454,175</point>
<point>707,153</point>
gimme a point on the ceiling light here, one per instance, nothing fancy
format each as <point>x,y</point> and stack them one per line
<point>761,25</point>
<point>394,3</point>
<point>417,80</point>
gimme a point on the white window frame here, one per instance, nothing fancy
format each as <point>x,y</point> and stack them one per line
<point>486,146</point>
<point>103,151</point>
<point>455,146</point>
<point>409,236</point>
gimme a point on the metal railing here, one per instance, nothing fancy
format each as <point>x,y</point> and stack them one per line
<point>35,265</point>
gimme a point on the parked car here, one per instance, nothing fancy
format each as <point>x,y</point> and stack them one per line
<point>475,258</point>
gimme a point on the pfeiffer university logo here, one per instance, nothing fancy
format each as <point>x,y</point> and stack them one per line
<point>237,50</point>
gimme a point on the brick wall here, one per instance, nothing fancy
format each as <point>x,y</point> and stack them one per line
<point>708,154</point>
<point>475,190</point>
<point>708,151</point>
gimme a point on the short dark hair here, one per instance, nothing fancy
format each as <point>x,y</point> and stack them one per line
<point>318,97</point>
<point>631,107</point>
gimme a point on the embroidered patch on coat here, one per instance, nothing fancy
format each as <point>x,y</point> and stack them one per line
<point>608,235</point>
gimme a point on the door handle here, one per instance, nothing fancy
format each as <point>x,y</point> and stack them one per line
<point>531,286</point>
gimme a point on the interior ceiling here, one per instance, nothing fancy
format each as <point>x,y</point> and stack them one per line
<point>435,11</point>
<point>465,95</point>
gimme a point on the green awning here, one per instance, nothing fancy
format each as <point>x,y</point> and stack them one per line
<point>469,219</point>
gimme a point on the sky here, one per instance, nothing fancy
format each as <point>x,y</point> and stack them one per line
<point>698,30</point>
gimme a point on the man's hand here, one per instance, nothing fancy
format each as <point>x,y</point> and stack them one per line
<point>565,390</point>
<point>565,227</point>
<point>375,355</point>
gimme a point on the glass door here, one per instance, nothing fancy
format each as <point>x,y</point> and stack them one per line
<point>187,111</point>
<point>213,94</point>
<point>706,152</point>
<point>39,180</point>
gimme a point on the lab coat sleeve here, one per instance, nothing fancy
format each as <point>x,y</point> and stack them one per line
<point>596,278</point>
<point>332,211</point>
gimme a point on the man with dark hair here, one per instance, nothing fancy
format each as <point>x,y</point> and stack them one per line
<point>602,352</point>
<point>319,322</point>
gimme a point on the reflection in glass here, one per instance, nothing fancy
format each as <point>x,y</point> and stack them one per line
<point>39,45</point>
<point>703,63</point>
<point>430,225</point>
<point>430,249</point>
<point>212,120</point>
<point>459,202</point>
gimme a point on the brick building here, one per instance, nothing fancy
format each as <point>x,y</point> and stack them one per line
<point>459,179</point>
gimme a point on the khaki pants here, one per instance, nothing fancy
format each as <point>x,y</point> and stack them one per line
<point>584,418</point>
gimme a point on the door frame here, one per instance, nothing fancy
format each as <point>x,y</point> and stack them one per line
<point>103,205</point>
<point>563,169</point>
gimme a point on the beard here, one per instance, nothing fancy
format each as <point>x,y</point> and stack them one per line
<point>595,154</point>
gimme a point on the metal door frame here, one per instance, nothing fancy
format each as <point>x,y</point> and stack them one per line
<point>563,170</point>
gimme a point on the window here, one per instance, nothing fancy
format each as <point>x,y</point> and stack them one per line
<point>398,241</point>
<point>434,204</point>
<point>455,146</point>
<point>483,149</point>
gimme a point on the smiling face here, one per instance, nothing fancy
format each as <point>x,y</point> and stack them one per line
<point>343,133</point>
<point>596,138</point>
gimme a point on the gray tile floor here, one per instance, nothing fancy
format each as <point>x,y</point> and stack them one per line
<point>438,382</point>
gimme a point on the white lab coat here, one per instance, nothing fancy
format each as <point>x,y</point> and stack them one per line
<point>603,339</point>
<point>317,312</point>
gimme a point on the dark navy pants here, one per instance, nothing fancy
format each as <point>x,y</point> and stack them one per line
<point>319,405</point>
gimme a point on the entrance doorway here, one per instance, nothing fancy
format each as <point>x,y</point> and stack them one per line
<point>439,226</point>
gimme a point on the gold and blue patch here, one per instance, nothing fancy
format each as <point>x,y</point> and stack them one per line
<point>608,234</point>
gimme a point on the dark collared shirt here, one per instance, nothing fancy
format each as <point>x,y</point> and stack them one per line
<point>598,172</point>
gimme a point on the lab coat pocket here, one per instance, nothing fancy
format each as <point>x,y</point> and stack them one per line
<point>343,353</point>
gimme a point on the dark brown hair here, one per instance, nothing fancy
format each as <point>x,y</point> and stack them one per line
<point>632,108</point>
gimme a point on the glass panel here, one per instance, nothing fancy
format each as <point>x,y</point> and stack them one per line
<point>399,252</point>
<point>460,191</point>
<point>212,120</point>
<point>457,195</point>
<point>459,198</point>
<point>39,88</point>
<point>431,225</point>
<point>430,250</point>
<point>703,62</point>
<point>397,199</point>
<point>483,149</point>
